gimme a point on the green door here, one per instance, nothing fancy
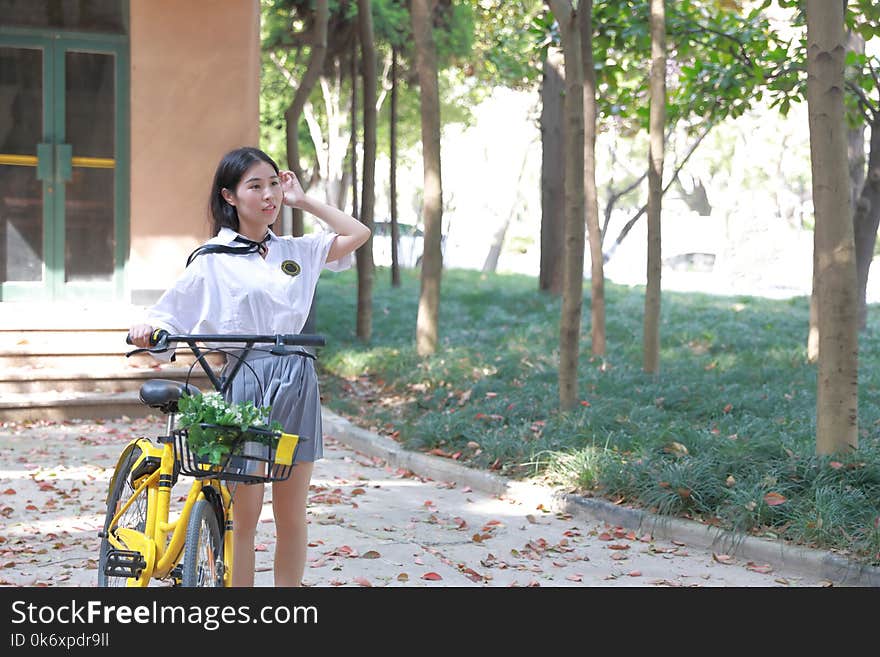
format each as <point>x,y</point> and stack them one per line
<point>63,166</point>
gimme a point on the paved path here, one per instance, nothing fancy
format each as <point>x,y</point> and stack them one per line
<point>371,524</point>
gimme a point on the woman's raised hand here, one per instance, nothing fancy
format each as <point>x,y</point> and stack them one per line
<point>293,191</point>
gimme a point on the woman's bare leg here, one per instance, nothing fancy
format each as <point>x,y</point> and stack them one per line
<point>289,500</point>
<point>248,503</point>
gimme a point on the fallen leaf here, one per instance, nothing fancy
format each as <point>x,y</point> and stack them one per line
<point>363,581</point>
<point>675,447</point>
<point>763,568</point>
<point>431,576</point>
<point>723,558</point>
<point>370,554</point>
<point>774,499</point>
<point>471,574</point>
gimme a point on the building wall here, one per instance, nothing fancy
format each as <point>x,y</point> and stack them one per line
<point>195,84</point>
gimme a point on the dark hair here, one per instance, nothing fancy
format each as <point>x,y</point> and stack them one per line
<point>229,173</point>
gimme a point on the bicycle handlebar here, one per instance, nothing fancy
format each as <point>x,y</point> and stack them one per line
<point>160,340</point>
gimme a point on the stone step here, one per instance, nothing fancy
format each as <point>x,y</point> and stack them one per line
<point>72,405</point>
<point>67,360</point>
<point>92,340</point>
<point>31,380</point>
<point>66,316</point>
<point>86,362</point>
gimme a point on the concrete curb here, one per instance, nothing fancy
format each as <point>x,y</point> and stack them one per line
<point>816,563</point>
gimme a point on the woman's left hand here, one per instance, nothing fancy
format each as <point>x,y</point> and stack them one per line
<point>293,191</point>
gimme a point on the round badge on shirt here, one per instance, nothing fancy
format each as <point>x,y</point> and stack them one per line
<point>290,267</point>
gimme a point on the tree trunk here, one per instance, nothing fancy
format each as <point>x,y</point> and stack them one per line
<point>813,334</point>
<point>490,264</point>
<point>591,196</point>
<point>835,276</point>
<point>862,220</point>
<point>573,274</point>
<point>392,174</point>
<point>866,220</point>
<point>368,195</point>
<point>432,203</point>
<point>336,146</point>
<point>294,112</point>
<point>355,80</point>
<point>655,185</point>
<point>552,174</point>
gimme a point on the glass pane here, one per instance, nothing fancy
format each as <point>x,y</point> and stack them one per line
<point>90,235</point>
<point>90,107</point>
<point>21,194</point>
<point>82,15</point>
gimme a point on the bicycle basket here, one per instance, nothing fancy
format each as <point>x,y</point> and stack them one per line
<point>256,455</point>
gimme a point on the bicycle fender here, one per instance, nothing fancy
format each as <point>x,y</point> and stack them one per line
<point>147,449</point>
<point>216,500</point>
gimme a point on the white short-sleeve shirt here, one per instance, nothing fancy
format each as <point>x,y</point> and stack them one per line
<point>246,294</point>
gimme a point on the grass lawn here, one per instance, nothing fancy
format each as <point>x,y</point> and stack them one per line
<point>724,435</point>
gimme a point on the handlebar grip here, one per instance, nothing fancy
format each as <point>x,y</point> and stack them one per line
<point>307,340</point>
<point>155,337</point>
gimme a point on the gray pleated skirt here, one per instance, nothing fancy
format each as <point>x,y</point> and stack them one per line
<point>289,384</point>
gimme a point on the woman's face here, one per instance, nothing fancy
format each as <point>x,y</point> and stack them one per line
<point>257,197</point>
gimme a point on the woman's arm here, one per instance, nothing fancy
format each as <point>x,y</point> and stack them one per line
<point>351,233</point>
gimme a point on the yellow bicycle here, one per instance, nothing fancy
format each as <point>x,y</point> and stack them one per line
<point>140,542</point>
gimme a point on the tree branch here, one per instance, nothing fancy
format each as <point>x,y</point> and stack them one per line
<point>644,208</point>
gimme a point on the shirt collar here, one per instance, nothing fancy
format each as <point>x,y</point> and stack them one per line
<point>227,236</point>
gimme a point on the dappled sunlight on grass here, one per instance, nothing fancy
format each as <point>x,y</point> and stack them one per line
<point>728,421</point>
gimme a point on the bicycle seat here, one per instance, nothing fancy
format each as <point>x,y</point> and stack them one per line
<point>164,394</point>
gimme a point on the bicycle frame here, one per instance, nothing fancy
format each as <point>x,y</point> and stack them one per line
<point>160,553</point>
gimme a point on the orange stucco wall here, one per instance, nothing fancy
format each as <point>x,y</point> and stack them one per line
<point>195,84</point>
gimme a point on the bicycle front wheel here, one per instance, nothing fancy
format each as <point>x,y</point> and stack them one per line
<point>203,549</point>
<point>135,517</point>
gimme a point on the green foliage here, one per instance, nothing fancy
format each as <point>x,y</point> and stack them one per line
<point>286,33</point>
<point>508,40</point>
<point>722,436</point>
<point>215,426</point>
<point>721,59</point>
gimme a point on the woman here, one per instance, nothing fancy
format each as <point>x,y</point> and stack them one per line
<point>248,280</point>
